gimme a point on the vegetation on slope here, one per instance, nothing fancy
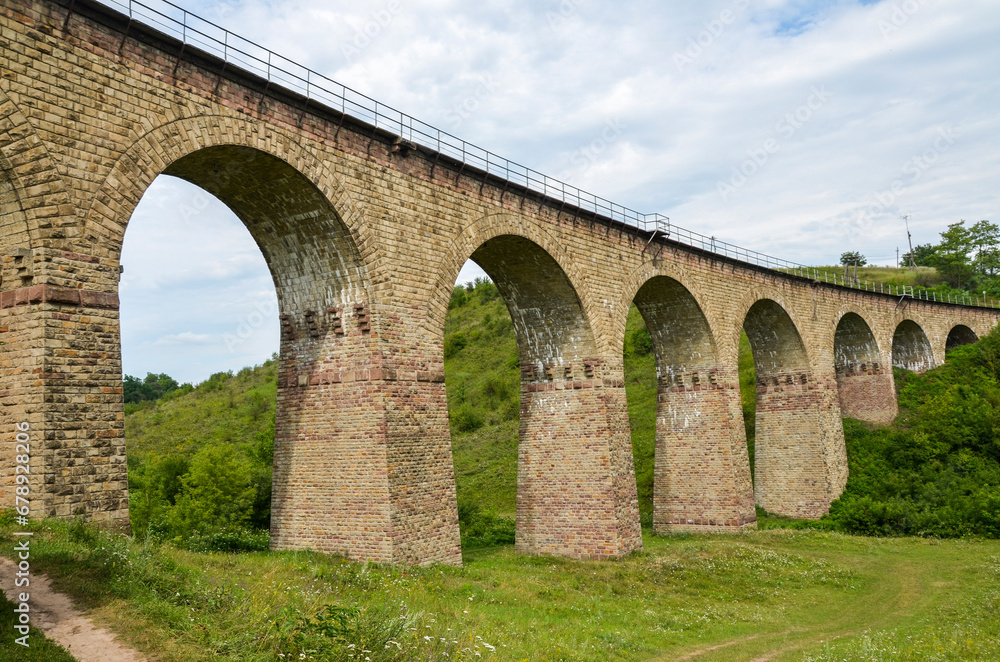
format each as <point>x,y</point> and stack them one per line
<point>936,469</point>
<point>200,461</point>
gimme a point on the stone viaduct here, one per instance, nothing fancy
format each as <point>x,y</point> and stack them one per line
<point>365,234</point>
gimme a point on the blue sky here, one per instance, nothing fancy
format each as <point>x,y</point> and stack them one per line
<point>801,129</point>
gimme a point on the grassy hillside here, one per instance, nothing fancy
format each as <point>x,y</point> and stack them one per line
<point>226,426</point>
<point>918,277</point>
<point>936,469</point>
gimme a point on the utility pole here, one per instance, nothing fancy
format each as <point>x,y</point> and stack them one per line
<point>897,257</point>
<point>909,238</point>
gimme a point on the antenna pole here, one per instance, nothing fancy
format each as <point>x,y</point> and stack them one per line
<point>909,238</point>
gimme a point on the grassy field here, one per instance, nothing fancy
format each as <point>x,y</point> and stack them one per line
<point>775,594</point>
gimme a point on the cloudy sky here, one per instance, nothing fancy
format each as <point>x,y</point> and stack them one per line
<point>799,128</point>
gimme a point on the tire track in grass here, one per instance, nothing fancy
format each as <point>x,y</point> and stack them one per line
<point>903,588</point>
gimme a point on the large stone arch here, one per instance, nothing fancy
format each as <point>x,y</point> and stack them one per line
<point>701,475</point>
<point>576,486</point>
<point>911,349</point>
<point>960,335</point>
<point>792,467</point>
<point>159,150</point>
<point>864,382</point>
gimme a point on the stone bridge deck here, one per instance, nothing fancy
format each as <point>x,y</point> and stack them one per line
<point>365,236</point>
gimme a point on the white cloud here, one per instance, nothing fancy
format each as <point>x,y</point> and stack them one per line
<point>186,338</point>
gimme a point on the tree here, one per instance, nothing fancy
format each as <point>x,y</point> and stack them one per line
<point>985,238</point>
<point>217,492</point>
<point>853,259</point>
<point>952,255</point>
<point>153,387</point>
<point>923,256</point>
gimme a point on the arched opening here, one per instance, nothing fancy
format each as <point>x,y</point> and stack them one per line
<point>864,385</point>
<point>789,459</point>
<point>326,476</point>
<point>911,350</point>
<point>567,481</point>
<point>700,472</point>
<point>960,335</point>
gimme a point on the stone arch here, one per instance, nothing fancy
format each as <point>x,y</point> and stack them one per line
<point>158,150</point>
<point>729,347</point>
<point>569,461</point>
<point>864,384</point>
<point>571,473</point>
<point>790,463</point>
<point>701,474</point>
<point>332,470</point>
<point>480,232</point>
<point>637,279</point>
<point>911,350</point>
<point>960,335</point>
<point>24,156</point>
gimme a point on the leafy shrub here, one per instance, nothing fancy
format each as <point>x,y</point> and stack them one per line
<point>454,343</point>
<point>483,529</point>
<point>936,470</point>
<point>466,418</point>
<point>216,492</point>
<point>231,539</point>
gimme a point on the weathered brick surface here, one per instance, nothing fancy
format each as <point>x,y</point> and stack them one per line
<point>364,242</point>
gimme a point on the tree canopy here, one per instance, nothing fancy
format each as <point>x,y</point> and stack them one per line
<point>968,257</point>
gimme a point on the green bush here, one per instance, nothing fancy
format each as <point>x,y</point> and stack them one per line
<point>936,470</point>
<point>483,529</point>
<point>216,493</point>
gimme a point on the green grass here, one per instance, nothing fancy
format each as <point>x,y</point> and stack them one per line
<point>750,594</point>
<point>919,277</point>
<point>39,649</point>
<point>640,392</point>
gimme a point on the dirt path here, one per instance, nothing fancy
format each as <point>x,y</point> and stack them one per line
<point>54,614</point>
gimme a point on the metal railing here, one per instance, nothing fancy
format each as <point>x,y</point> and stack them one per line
<point>277,70</point>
